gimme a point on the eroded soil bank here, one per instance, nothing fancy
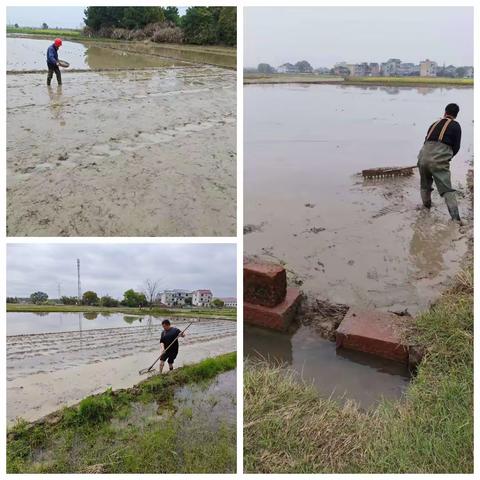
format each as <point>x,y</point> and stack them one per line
<point>48,371</point>
<point>343,239</point>
<point>130,153</point>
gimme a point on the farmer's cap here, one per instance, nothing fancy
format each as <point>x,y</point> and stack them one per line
<point>58,42</point>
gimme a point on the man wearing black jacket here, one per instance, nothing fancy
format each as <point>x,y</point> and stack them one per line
<point>441,144</point>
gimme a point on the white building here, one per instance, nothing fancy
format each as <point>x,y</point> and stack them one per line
<point>202,298</point>
<point>229,302</point>
<point>287,68</point>
<point>428,68</point>
<point>175,298</point>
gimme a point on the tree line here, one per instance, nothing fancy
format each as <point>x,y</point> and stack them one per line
<point>199,25</point>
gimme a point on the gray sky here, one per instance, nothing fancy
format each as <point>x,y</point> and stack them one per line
<point>115,268</point>
<point>62,17</point>
<point>326,35</point>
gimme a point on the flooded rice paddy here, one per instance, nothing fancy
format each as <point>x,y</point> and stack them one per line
<point>48,370</point>
<point>341,375</point>
<point>343,239</point>
<point>142,152</point>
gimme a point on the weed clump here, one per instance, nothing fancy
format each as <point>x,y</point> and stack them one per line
<point>95,409</point>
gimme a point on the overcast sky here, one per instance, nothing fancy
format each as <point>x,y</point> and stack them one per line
<point>112,269</point>
<point>62,17</point>
<point>326,35</point>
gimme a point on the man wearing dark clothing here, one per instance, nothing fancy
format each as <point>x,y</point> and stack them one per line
<point>52,61</point>
<point>441,144</point>
<point>169,339</point>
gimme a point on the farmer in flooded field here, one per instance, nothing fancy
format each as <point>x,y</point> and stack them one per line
<point>169,340</point>
<point>52,61</point>
<point>441,144</point>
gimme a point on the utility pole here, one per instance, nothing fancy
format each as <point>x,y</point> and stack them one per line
<point>59,292</point>
<point>78,278</point>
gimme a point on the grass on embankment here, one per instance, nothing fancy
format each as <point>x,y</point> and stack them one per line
<point>288,428</point>
<point>251,78</point>
<point>226,313</point>
<point>96,436</point>
<point>54,32</point>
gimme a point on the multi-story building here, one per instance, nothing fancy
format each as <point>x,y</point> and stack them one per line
<point>373,69</point>
<point>407,69</point>
<point>229,302</point>
<point>428,68</point>
<point>389,68</point>
<point>201,298</point>
<point>175,298</point>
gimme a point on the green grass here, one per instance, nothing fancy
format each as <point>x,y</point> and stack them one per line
<point>253,78</point>
<point>289,429</point>
<point>227,313</point>
<point>399,81</point>
<point>94,436</point>
<point>49,31</point>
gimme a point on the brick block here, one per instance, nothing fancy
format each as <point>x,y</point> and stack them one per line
<point>264,284</point>
<point>374,332</point>
<point>278,317</point>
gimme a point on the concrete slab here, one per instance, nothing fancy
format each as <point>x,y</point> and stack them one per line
<point>278,317</point>
<point>375,332</point>
<point>264,284</point>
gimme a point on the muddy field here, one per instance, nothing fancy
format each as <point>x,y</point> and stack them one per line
<point>343,239</point>
<point>47,371</point>
<point>143,152</point>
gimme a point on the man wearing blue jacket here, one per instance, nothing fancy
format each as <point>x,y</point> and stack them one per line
<point>52,61</point>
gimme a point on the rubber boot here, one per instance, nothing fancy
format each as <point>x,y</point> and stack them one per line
<point>452,205</point>
<point>426,198</point>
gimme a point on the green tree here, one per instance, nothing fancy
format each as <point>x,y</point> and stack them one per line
<point>12,300</point>
<point>265,68</point>
<point>44,26</point>
<point>138,17</point>
<point>131,298</point>
<point>38,297</point>
<point>218,303</point>
<point>90,298</point>
<point>107,301</point>
<point>304,67</point>
<point>227,26</point>
<point>122,17</point>
<point>460,72</point>
<point>69,300</point>
<point>199,25</point>
<point>171,14</point>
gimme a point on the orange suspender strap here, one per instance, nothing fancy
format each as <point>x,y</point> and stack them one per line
<point>432,129</point>
<point>442,133</point>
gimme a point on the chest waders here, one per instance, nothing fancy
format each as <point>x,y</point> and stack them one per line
<point>434,166</point>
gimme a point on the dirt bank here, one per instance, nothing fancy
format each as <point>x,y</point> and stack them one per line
<point>48,371</point>
<point>135,153</point>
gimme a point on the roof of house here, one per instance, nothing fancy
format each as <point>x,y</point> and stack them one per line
<point>229,299</point>
<point>203,291</point>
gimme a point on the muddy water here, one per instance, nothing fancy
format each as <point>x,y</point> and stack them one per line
<point>46,371</point>
<point>135,153</point>
<point>341,374</point>
<point>343,239</point>
<point>30,54</point>
<point>214,401</point>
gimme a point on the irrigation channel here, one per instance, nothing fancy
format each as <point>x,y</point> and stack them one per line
<point>56,359</point>
<point>343,239</point>
<point>133,142</point>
